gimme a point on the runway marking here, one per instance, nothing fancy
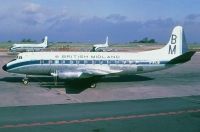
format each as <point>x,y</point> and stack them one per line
<point>98,119</point>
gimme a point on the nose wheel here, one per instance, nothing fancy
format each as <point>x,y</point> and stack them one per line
<point>25,80</point>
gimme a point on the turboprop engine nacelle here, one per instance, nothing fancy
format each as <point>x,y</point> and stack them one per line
<point>67,75</point>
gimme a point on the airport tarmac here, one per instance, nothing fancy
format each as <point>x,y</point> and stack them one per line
<point>182,80</point>
<point>180,114</point>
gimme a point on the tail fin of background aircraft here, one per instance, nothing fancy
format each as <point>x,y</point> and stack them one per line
<point>106,41</point>
<point>45,41</point>
<point>177,44</point>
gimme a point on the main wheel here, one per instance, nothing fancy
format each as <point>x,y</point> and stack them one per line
<point>93,85</point>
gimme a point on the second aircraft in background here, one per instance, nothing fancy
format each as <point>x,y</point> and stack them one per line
<point>29,47</point>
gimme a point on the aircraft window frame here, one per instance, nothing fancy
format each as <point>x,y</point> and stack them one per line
<point>77,62</point>
<point>81,62</point>
<point>105,62</point>
<point>63,62</point>
<point>60,61</point>
<point>71,62</point>
<point>97,62</point>
<point>89,62</point>
<point>108,62</point>
<point>125,62</point>
<point>120,62</point>
<point>93,62</point>
<point>46,61</point>
<point>112,61</point>
<point>101,62</point>
<point>19,57</point>
<point>56,62</point>
<point>41,61</point>
<point>67,61</point>
<point>50,61</point>
<point>117,62</point>
<point>85,62</point>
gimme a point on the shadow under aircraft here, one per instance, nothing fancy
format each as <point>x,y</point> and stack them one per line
<point>78,85</point>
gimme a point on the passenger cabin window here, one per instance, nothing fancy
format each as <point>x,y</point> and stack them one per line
<point>101,62</point>
<point>63,61</point>
<point>41,61</point>
<point>125,62</point>
<point>81,62</point>
<point>56,61</point>
<point>85,62</point>
<point>116,62</point>
<point>108,62</point>
<point>50,61</point>
<point>93,61</point>
<point>112,62</point>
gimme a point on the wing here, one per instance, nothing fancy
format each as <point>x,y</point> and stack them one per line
<point>100,72</point>
<point>84,73</point>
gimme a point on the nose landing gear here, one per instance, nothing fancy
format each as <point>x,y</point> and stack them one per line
<point>25,80</point>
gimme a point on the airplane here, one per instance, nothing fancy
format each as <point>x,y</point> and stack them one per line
<point>79,65</point>
<point>97,47</point>
<point>29,47</point>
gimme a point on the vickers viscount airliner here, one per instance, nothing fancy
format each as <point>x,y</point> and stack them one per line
<point>75,65</point>
<point>29,47</point>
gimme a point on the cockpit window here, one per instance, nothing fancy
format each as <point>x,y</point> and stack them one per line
<point>19,57</point>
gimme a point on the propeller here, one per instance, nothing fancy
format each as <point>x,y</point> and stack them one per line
<point>55,76</point>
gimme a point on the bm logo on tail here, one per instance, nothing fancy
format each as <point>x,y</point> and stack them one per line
<point>172,46</point>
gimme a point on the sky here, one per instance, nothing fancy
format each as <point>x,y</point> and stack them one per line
<point>93,20</point>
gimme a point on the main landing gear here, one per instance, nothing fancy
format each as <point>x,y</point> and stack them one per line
<point>25,80</point>
<point>93,82</point>
<point>93,85</point>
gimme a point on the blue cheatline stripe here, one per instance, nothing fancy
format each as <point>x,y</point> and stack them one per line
<point>125,62</point>
<point>23,64</point>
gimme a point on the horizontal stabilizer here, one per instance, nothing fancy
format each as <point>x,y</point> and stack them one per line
<point>182,58</point>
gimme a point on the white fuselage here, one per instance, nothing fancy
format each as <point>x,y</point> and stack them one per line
<point>29,47</point>
<point>68,65</point>
<point>92,63</point>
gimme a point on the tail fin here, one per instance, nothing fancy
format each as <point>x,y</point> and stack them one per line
<point>177,44</point>
<point>106,41</point>
<point>45,40</point>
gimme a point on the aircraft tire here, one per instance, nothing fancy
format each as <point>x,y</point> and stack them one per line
<point>93,85</point>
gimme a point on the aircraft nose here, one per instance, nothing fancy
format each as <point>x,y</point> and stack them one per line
<point>4,67</point>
